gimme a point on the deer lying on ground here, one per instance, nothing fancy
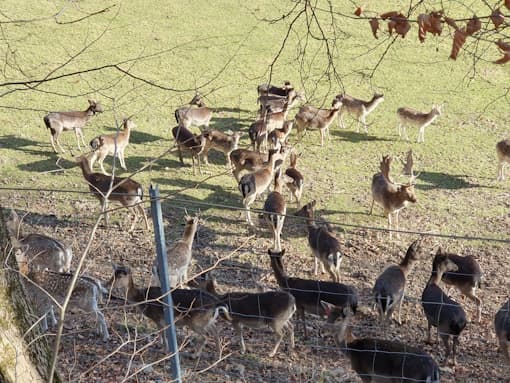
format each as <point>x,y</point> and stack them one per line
<point>326,299</point>
<point>392,197</point>
<point>40,251</point>
<point>502,327</point>
<point>126,191</point>
<point>188,116</point>
<point>257,310</point>
<point>466,278</point>
<point>189,142</point>
<point>381,360</point>
<point>295,180</point>
<point>306,119</point>
<point>324,245</point>
<point>389,288</point>
<point>254,184</point>
<point>275,210</point>
<point>179,255</point>
<point>503,153</point>
<point>113,144</point>
<point>442,311</point>
<point>58,122</point>
<point>48,289</point>
<point>411,117</point>
<point>216,140</point>
<point>193,308</point>
<point>358,108</point>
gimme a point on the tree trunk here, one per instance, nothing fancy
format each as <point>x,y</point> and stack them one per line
<point>24,356</point>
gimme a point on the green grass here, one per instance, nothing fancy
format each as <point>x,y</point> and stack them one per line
<point>181,46</point>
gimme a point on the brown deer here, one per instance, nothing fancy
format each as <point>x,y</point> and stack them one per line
<point>189,142</point>
<point>126,191</point>
<point>188,116</point>
<point>358,108</point>
<point>113,144</point>
<point>306,119</point>
<point>221,142</point>
<point>411,117</point>
<point>275,210</point>
<point>502,326</point>
<point>295,180</point>
<point>58,122</point>
<point>392,197</point>
<point>503,153</point>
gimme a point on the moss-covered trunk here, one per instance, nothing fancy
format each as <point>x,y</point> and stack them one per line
<point>24,356</point>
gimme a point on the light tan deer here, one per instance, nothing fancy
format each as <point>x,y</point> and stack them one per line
<point>503,153</point>
<point>58,122</point>
<point>221,142</point>
<point>358,108</point>
<point>307,119</point>
<point>112,144</point>
<point>391,196</point>
<point>187,116</point>
<point>411,117</point>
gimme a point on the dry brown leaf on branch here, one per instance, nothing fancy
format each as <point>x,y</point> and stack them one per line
<point>397,23</point>
<point>505,47</point>
<point>358,11</point>
<point>374,24</point>
<point>473,26</point>
<point>507,4</point>
<point>451,22</point>
<point>497,18</point>
<point>387,15</point>
<point>459,38</point>
<point>504,59</point>
<point>429,23</point>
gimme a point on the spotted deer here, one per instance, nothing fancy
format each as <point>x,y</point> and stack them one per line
<point>411,117</point>
<point>358,108</point>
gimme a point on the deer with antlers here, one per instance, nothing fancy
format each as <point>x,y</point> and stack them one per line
<point>391,196</point>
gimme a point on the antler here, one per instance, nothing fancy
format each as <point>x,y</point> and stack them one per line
<point>385,167</point>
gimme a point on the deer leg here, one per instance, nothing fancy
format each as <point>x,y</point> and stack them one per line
<point>279,334</point>
<point>239,331</point>
<point>122,160</point>
<point>100,162</point>
<point>455,344</point>
<point>471,294</point>
<point>58,143</point>
<point>503,345</point>
<point>316,263</point>
<point>429,337</point>
<point>371,207</point>
<point>322,137</point>
<point>363,120</point>
<point>501,166</point>
<point>247,202</point>
<point>389,224</point>
<point>199,167</point>
<point>144,215</point>
<point>301,314</point>
<point>180,154</point>
<point>400,308</point>
<point>77,134</point>
<point>446,342</point>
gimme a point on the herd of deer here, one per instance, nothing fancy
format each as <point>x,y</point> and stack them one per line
<point>46,261</point>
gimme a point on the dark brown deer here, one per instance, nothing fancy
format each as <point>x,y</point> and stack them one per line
<point>58,122</point>
<point>502,326</point>
<point>186,141</point>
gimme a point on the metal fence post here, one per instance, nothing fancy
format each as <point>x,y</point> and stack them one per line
<point>157,219</point>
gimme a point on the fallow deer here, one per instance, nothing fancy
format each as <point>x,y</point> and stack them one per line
<point>58,122</point>
<point>306,119</point>
<point>275,210</point>
<point>411,117</point>
<point>189,142</point>
<point>502,327</point>
<point>503,153</point>
<point>294,179</point>
<point>222,142</point>
<point>188,116</point>
<point>392,197</point>
<point>358,108</point>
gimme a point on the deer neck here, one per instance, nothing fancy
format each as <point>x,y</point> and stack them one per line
<point>406,265</point>
<point>279,274</point>
<point>85,167</point>
<point>436,276</point>
<point>189,234</point>
<point>372,104</point>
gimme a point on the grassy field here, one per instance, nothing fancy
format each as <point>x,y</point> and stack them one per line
<point>154,56</point>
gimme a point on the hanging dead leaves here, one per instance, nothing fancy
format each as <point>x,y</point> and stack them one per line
<point>433,23</point>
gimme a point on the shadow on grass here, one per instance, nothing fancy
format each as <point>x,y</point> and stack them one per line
<point>48,164</point>
<point>435,180</point>
<point>17,143</point>
<point>357,137</point>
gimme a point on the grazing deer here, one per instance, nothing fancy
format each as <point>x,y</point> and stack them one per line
<point>392,197</point>
<point>40,251</point>
<point>113,144</point>
<point>216,140</point>
<point>411,117</point>
<point>358,108</point>
<point>389,288</point>
<point>295,180</point>
<point>257,310</point>
<point>275,210</point>
<point>380,360</point>
<point>306,119</point>
<point>502,326</point>
<point>179,255</point>
<point>442,311</point>
<point>126,191</point>
<point>254,184</point>
<point>193,308</point>
<point>322,298</point>
<point>48,289</point>
<point>503,153</point>
<point>187,116</point>
<point>324,245</point>
<point>58,122</point>
<point>466,278</point>
<point>187,141</point>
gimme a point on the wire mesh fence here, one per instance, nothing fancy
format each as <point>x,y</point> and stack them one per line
<point>236,256</point>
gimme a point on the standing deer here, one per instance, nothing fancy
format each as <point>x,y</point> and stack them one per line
<point>274,212</point>
<point>358,108</point>
<point>189,142</point>
<point>295,180</point>
<point>392,197</point>
<point>411,117</point>
<point>503,153</point>
<point>58,122</point>
<point>316,119</point>
<point>187,116</point>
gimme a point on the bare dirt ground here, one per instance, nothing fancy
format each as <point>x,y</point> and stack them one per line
<point>130,356</point>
